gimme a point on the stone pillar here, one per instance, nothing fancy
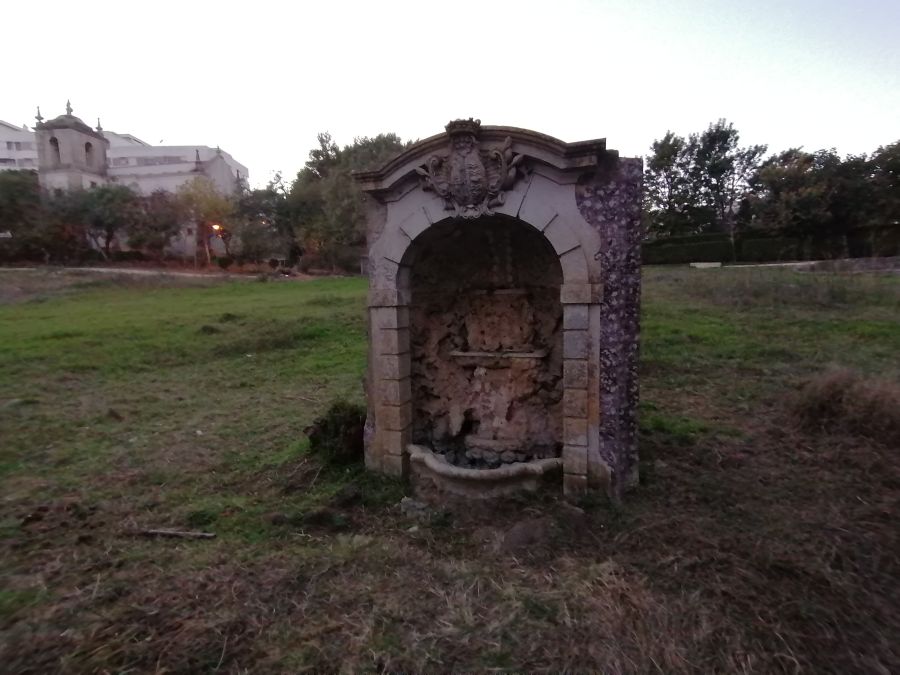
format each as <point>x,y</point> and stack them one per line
<point>580,427</point>
<point>389,363</point>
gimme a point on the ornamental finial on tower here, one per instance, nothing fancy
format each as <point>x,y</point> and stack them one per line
<point>39,117</point>
<point>68,107</point>
<point>99,128</point>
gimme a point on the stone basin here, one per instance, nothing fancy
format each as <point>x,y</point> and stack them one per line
<point>431,472</point>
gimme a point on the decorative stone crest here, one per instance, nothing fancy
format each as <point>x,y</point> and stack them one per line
<point>471,180</point>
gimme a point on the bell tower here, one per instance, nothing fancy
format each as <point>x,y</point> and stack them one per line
<point>71,155</point>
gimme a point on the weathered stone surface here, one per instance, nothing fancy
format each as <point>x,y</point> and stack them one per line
<point>575,431</point>
<point>393,341</point>
<point>575,460</point>
<point>575,403</point>
<point>386,297</point>
<point>389,317</point>
<point>394,366</point>
<point>505,334</point>
<point>576,317</point>
<point>486,342</point>
<point>576,344</point>
<point>609,200</point>
<point>394,465</point>
<point>393,441</point>
<point>393,392</point>
<point>574,485</point>
<point>394,417</point>
<point>575,374</point>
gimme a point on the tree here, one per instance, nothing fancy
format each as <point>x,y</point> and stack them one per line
<point>162,219</point>
<point>108,210</point>
<point>696,185</point>
<point>207,208</point>
<point>63,227</point>
<point>885,179</point>
<point>324,202</point>
<point>265,228</point>
<point>721,171</point>
<point>667,197</point>
<point>790,192</point>
<point>20,214</point>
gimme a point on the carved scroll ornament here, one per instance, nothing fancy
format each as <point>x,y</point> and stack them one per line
<point>470,179</point>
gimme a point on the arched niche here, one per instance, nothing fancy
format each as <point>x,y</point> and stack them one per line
<point>486,308</point>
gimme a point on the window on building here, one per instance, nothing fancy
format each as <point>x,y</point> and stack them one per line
<point>89,154</point>
<point>10,145</point>
<point>54,150</point>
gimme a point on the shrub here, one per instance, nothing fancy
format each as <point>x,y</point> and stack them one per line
<point>337,436</point>
<point>224,262</point>
<point>770,249</point>
<point>128,256</point>
<point>706,250</point>
<point>842,400</point>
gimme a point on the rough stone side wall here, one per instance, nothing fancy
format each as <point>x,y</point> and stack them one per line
<point>610,200</point>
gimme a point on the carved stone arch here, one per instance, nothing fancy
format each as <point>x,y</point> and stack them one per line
<point>469,180</point>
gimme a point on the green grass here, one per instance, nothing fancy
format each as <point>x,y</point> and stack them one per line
<point>750,546</point>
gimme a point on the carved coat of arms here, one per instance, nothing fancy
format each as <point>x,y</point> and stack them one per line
<point>471,180</point>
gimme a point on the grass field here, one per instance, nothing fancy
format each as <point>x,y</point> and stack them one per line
<point>754,543</point>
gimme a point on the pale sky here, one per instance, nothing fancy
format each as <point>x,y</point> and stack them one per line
<point>261,78</point>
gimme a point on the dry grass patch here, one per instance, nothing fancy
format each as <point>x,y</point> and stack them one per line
<point>843,400</point>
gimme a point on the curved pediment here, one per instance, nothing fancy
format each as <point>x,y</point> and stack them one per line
<point>470,165</point>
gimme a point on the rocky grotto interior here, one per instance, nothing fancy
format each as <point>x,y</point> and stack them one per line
<point>486,343</point>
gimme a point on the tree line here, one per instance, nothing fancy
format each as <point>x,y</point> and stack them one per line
<point>708,182</point>
<point>704,183</point>
<point>318,215</point>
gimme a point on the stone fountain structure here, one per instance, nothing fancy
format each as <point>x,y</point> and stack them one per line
<point>504,288</point>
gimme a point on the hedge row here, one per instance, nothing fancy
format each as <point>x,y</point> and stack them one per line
<point>717,247</point>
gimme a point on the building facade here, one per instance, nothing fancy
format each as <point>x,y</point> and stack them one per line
<point>70,155</point>
<point>81,156</point>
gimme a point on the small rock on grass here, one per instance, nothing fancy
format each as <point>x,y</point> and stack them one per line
<point>415,510</point>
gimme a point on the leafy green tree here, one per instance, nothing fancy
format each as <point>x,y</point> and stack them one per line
<point>63,228</point>
<point>324,202</point>
<point>721,171</point>
<point>697,185</point>
<point>885,179</point>
<point>667,197</point>
<point>790,192</point>
<point>161,219</point>
<point>265,227</point>
<point>20,215</point>
<point>109,210</point>
<point>209,209</point>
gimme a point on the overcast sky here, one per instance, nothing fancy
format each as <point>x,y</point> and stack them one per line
<point>260,78</point>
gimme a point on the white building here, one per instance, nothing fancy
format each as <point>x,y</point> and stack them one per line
<point>17,147</point>
<point>68,154</point>
<point>80,156</point>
